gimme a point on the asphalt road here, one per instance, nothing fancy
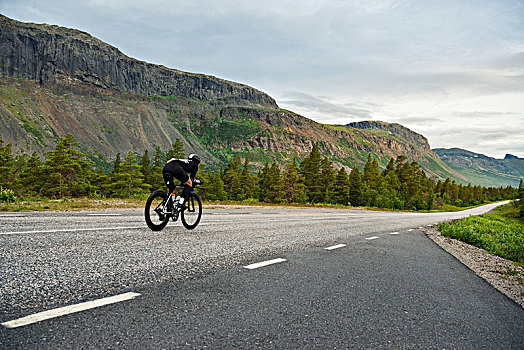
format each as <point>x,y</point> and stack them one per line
<point>393,291</point>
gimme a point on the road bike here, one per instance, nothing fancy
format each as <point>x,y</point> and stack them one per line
<point>160,207</point>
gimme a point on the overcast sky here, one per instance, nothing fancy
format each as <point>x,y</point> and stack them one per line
<point>450,70</point>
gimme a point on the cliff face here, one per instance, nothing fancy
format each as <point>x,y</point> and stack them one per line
<point>56,80</point>
<point>52,54</point>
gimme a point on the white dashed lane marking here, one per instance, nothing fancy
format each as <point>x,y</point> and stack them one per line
<point>73,230</point>
<point>371,238</point>
<point>394,233</point>
<point>45,315</point>
<point>335,247</point>
<point>104,214</point>
<point>264,263</point>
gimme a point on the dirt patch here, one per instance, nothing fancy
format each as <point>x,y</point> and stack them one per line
<point>501,273</point>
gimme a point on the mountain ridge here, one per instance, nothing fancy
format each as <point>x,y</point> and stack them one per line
<point>58,82</point>
<point>53,54</point>
<point>481,168</point>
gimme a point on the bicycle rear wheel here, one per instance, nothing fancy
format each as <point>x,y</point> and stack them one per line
<point>192,212</point>
<point>156,219</point>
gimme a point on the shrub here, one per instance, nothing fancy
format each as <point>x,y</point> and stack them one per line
<point>491,232</point>
<point>7,195</point>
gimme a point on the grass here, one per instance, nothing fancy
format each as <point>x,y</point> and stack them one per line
<point>500,232</point>
<point>71,204</point>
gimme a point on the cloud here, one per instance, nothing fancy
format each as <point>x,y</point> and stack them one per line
<point>419,121</point>
<point>425,64</point>
<point>323,108</point>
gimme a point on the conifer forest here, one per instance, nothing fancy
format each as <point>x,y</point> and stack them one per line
<point>402,185</point>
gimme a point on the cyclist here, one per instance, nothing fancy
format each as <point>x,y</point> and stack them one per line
<point>179,169</point>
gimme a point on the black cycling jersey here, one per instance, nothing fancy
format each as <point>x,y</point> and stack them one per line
<point>179,169</point>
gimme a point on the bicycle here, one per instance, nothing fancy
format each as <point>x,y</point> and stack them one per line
<point>160,208</point>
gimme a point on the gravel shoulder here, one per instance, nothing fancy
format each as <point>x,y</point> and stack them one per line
<point>501,273</point>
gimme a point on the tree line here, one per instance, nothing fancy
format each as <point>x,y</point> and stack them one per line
<point>66,172</point>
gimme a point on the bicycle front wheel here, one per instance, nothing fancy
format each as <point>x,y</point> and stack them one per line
<point>156,219</point>
<point>192,212</point>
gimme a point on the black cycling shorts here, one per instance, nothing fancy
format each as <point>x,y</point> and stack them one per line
<point>174,170</point>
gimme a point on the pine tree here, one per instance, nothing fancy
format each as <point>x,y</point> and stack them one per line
<point>430,199</point>
<point>340,191</point>
<point>231,178</point>
<point>310,169</point>
<point>273,192</point>
<point>454,188</point>
<point>128,181</point>
<point>263,183</point>
<point>371,172</point>
<point>355,187</point>
<point>116,164</point>
<point>6,163</point>
<point>156,181</point>
<point>176,151</point>
<point>214,187</point>
<point>446,191</point>
<point>390,168</point>
<point>375,174</point>
<point>145,167</point>
<point>30,176</point>
<point>17,167</point>
<point>66,171</point>
<point>247,181</point>
<point>292,189</point>
<point>327,178</point>
<point>100,182</point>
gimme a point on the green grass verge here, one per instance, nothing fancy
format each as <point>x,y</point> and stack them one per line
<point>71,204</point>
<point>499,233</point>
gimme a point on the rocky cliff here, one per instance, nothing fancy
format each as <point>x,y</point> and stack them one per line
<point>53,54</point>
<point>56,80</point>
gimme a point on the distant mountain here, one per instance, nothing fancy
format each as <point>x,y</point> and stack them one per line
<point>484,170</point>
<point>56,80</point>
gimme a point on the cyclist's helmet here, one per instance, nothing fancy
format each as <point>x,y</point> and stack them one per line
<point>195,158</point>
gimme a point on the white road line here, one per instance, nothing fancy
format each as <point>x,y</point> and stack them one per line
<point>102,214</point>
<point>370,238</point>
<point>410,230</point>
<point>394,233</point>
<point>264,263</point>
<point>61,311</point>
<point>73,230</point>
<point>335,247</point>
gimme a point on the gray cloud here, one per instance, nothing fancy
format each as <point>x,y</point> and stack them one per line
<point>419,121</point>
<point>321,105</point>
<point>426,64</point>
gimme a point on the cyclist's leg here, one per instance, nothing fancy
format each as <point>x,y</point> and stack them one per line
<point>167,174</point>
<point>179,174</point>
<point>186,191</point>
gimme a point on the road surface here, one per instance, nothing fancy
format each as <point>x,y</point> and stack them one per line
<point>249,277</point>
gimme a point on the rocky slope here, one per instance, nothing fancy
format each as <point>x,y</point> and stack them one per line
<point>56,80</point>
